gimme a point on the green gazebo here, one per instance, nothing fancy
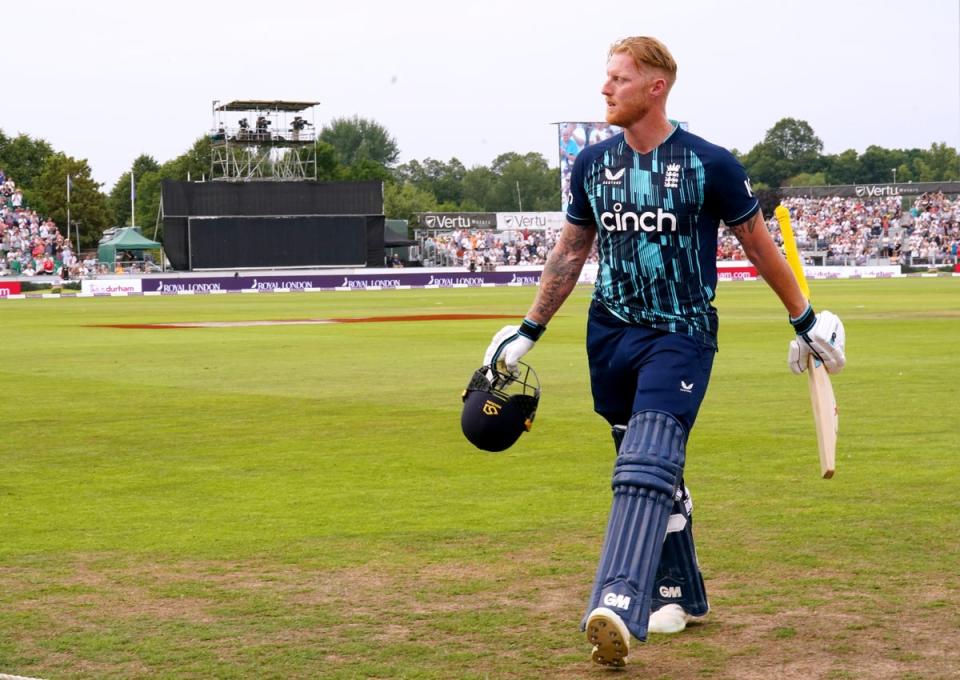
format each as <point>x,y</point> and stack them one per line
<point>126,238</point>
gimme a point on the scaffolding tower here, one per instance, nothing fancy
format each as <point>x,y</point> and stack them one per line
<point>256,139</point>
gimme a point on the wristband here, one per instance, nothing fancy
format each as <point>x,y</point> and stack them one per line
<point>531,329</point>
<point>804,323</point>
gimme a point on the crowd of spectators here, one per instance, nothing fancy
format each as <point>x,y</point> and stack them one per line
<point>480,250</point>
<point>856,231</point>
<point>834,230</point>
<point>936,228</point>
<point>31,245</point>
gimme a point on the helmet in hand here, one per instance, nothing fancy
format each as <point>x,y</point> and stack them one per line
<point>498,407</point>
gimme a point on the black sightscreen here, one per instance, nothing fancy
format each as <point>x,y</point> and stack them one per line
<point>175,244</point>
<point>244,242</point>
<point>215,199</point>
<point>272,224</point>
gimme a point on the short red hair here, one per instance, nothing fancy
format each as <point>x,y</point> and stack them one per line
<point>647,51</point>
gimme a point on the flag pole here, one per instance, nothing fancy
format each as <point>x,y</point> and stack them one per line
<point>133,196</point>
<point>68,210</point>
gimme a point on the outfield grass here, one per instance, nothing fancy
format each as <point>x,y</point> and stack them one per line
<point>298,501</point>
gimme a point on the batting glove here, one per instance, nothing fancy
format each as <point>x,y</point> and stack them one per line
<point>510,344</point>
<point>821,335</point>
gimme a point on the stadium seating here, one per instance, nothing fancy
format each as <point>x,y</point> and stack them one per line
<point>31,245</point>
<point>830,231</point>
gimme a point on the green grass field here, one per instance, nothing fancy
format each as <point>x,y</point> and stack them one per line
<point>298,501</point>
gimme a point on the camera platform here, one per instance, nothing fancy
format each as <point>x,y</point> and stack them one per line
<point>255,139</point>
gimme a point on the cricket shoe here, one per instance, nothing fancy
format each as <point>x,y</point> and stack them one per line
<point>609,636</point>
<point>670,618</point>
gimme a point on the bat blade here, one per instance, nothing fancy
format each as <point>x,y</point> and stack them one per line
<point>826,417</point>
<point>825,414</point>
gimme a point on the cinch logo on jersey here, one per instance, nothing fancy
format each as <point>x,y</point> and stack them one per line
<point>611,177</point>
<point>618,601</point>
<point>649,221</point>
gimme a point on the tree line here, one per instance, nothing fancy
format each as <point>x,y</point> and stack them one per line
<point>356,148</point>
<point>791,154</point>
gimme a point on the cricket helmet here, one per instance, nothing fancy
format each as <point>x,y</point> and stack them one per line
<point>498,408</point>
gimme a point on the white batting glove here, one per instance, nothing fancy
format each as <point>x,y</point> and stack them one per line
<point>821,335</point>
<point>510,344</point>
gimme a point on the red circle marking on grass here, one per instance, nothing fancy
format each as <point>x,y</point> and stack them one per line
<point>302,322</point>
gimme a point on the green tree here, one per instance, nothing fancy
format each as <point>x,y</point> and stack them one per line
<point>358,139</point>
<point>524,182</point>
<point>512,181</point>
<point>443,180</point>
<point>906,172</point>
<point>148,203</point>
<point>938,164</point>
<point>22,158</point>
<point>842,168</point>
<point>365,170</point>
<point>766,165</point>
<point>194,163</point>
<point>328,167</point>
<point>412,172</point>
<point>479,188</point>
<point>877,163</point>
<point>119,201</point>
<point>88,205</point>
<point>404,200</point>
<point>794,140</point>
<point>806,179</point>
<point>789,148</point>
<point>120,194</point>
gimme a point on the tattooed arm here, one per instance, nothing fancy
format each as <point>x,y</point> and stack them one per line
<point>561,271</point>
<point>765,256</point>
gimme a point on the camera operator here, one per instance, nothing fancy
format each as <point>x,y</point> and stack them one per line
<point>296,126</point>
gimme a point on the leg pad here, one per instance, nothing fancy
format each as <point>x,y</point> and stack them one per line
<point>679,580</point>
<point>648,469</point>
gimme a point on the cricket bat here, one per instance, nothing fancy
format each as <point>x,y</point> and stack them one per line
<point>825,414</point>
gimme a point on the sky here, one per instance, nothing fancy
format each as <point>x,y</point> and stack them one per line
<point>107,81</point>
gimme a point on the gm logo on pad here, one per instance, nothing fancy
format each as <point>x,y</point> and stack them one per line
<point>671,592</point>
<point>618,601</point>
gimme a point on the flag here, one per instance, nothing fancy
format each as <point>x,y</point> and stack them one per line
<point>133,187</point>
<point>69,184</point>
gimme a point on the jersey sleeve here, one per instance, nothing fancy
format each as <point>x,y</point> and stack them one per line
<point>729,191</point>
<point>579,210</point>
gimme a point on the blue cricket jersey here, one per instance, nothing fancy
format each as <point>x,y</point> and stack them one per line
<point>656,216</point>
